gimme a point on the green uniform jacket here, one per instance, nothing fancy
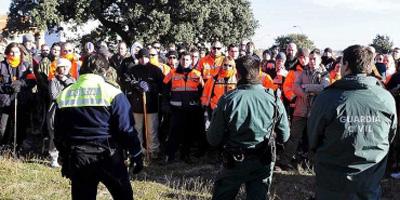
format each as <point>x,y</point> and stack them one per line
<point>243,117</point>
<point>350,128</point>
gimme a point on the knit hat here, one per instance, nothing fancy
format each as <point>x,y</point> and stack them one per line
<point>328,50</point>
<point>143,53</point>
<point>27,38</point>
<point>281,56</point>
<point>63,62</point>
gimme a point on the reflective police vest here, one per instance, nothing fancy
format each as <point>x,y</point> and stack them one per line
<point>89,90</point>
<point>215,88</point>
<point>185,87</point>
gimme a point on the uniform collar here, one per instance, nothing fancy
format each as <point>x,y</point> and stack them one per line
<point>356,81</point>
<point>250,86</point>
<point>91,77</point>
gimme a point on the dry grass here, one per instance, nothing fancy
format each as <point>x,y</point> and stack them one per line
<point>33,179</point>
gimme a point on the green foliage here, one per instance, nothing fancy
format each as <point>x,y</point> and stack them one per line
<point>382,43</point>
<point>301,40</point>
<point>185,21</point>
<point>25,15</point>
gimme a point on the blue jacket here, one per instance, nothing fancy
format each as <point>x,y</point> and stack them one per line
<point>92,110</point>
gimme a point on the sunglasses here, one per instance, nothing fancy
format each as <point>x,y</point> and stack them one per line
<point>172,57</point>
<point>227,65</point>
<point>68,50</point>
<point>153,55</point>
<point>217,48</point>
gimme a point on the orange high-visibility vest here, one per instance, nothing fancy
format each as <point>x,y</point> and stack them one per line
<point>215,88</point>
<point>209,66</point>
<point>184,87</point>
<point>267,81</point>
<point>288,85</point>
<point>52,70</point>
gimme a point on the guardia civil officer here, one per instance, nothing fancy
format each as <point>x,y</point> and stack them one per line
<point>93,123</point>
<point>350,129</point>
<point>241,124</point>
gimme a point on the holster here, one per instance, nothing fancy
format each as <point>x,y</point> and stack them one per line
<point>89,153</point>
<point>231,156</point>
<point>267,151</point>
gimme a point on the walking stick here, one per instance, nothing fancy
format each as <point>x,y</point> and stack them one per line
<point>15,125</point>
<point>148,138</point>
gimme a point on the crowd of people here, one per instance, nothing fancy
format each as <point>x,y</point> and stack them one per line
<point>174,92</point>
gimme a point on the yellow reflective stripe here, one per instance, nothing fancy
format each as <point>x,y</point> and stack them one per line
<point>82,102</point>
<point>90,91</point>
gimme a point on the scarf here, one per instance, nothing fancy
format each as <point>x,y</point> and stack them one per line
<point>13,61</point>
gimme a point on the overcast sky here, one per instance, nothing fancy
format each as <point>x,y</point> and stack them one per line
<point>333,23</point>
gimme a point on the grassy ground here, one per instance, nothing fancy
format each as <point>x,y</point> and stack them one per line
<point>33,179</point>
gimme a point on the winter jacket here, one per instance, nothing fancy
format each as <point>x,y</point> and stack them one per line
<point>350,128</point>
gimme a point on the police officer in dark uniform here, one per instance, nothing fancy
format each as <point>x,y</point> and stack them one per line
<point>242,124</point>
<point>93,123</point>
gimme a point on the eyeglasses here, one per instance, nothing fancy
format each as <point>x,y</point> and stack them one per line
<point>172,57</point>
<point>217,48</point>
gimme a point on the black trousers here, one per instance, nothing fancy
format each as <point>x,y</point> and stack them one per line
<point>187,125</point>
<point>112,172</point>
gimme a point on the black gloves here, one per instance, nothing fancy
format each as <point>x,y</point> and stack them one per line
<point>16,86</point>
<point>136,164</point>
<point>141,86</point>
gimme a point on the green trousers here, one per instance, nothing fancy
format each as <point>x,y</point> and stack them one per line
<point>256,177</point>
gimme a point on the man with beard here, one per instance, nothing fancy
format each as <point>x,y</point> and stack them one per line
<point>327,57</point>
<point>116,59</point>
<point>250,48</point>
<point>28,48</point>
<point>291,52</point>
<point>288,85</point>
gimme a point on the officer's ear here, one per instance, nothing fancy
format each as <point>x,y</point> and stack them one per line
<point>344,68</point>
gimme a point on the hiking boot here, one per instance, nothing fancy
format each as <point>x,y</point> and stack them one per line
<point>284,168</point>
